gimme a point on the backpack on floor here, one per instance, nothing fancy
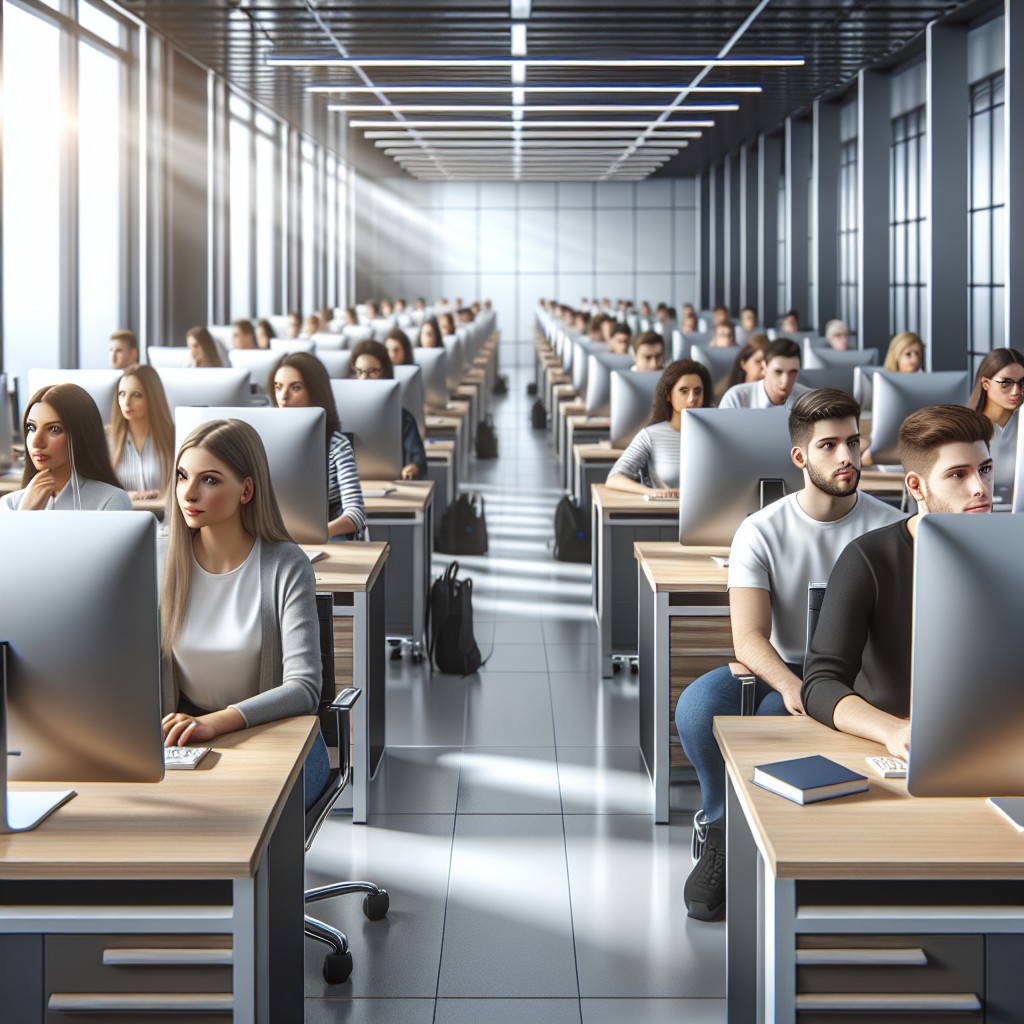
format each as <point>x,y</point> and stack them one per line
<point>486,439</point>
<point>451,644</point>
<point>500,385</point>
<point>572,532</point>
<point>463,529</point>
<point>538,415</point>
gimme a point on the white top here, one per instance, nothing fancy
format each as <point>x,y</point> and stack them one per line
<point>654,452</point>
<point>140,470</point>
<point>79,495</point>
<point>217,656</point>
<point>781,549</point>
<point>753,396</point>
<point>1004,454</point>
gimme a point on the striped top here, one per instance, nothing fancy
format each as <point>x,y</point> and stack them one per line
<point>652,457</point>
<point>140,470</point>
<point>344,495</point>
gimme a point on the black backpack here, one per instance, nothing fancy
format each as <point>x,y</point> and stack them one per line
<point>572,532</point>
<point>486,440</point>
<point>538,415</point>
<point>451,644</point>
<point>463,529</point>
<point>500,385</point>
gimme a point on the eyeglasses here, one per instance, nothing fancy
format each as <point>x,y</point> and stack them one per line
<point>1007,384</point>
<point>362,373</point>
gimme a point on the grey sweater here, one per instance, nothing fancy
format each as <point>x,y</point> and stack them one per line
<point>290,672</point>
<point>654,454</point>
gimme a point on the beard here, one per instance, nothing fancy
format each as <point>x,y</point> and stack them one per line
<point>830,485</point>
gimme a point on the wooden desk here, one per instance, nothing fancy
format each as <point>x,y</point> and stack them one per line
<point>206,858</point>
<point>405,519</point>
<point>684,630</point>
<point>354,574</point>
<point>583,429</point>
<point>618,520</point>
<point>862,872</point>
<point>566,403</point>
<point>590,465</point>
<point>452,424</point>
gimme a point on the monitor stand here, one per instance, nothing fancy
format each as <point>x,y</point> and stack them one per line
<point>20,811</point>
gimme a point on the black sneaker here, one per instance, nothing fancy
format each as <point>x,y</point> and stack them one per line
<point>704,892</point>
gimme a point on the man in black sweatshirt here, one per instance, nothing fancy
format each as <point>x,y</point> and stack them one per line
<point>857,677</point>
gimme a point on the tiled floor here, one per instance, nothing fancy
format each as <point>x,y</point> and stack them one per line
<point>510,820</point>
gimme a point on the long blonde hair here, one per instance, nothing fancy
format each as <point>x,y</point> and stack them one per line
<point>238,445</point>
<point>898,346</point>
<point>161,425</point>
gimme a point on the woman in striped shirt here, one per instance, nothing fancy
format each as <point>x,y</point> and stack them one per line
<point>300,380</point>
<point>142,434</point>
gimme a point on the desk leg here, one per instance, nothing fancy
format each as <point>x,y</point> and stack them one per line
<point>602,532</point>
<point>779,947</point>
<point>652,644</point>
<point>743,946</point>
<point>243,950</point>
<point>363,708</point>
<point>280,975</point>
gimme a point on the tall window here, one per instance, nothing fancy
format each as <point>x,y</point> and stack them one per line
<point>310,227</point>
<point>780,214</point>
<point>849,228</point>
<point>986,218</point>
<point>906,222</point>
<point>240,142</point>
<point>268,139</point>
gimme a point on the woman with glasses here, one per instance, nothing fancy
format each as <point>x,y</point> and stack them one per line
<point>998,394</point>
<point>370,361</point>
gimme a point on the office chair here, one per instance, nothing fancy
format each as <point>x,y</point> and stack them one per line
<point>335,716</point>
<point>747,681</point>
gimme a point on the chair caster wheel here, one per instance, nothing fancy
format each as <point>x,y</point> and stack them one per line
<point>417,657</point>
<point>376,905</point>
<point>396,654</point>
<point>634,667</point>
<point>337,968</point>
<point>616,666</point>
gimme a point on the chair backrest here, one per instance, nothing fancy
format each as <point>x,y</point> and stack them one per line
<point>815,596</point>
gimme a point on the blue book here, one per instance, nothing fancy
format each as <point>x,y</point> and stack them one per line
<point>805,780</point>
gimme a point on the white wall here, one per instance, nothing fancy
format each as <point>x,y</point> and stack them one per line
<point>517,242</point>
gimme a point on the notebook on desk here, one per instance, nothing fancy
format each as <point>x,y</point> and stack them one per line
<point>378,492</point>
<point>806,780</point>
<point>314,554</point>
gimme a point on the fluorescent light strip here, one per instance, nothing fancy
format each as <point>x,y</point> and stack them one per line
<point>547,108</point>
<point>403,137</point>
<point>544,62</point>
<point>636,125</point>
<point>583,144</point>
<point>358,90</point>
<point>520,9</point>
<point>517,37</point>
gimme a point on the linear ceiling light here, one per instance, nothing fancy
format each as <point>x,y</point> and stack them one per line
<point>547,108</point>
<point>326,61</point>
<point>635,125</point>
<point>518,74</point>
<point>518,40</point>
<point>358,90</point>
<point>507,133</point>
<point>520,9</point>
<point>455,145</point>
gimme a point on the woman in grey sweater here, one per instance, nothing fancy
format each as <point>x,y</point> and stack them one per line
<point>238,609</point>
<point>650,465</point>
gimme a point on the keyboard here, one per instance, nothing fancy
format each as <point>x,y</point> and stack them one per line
<point>184,757</point>
<point>889,767</point>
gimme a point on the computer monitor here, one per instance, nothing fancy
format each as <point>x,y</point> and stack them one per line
<point>101,385</point>
<point>1004,461</point>
<point>283,345</point>
<point>258,361</point>
<point>194,385</point>
<point>433,363</point>
<point>223,334</point>
<point>599,380</point>
<point>681,343</point>
<point>296,444</point>
<point>328,341</point>
<point>897,395</point>
<point>838,377</point>
<point>371,410</point>
<point>169,355</point>
<point>337,363</point>
<point>453,371</point>
<point>821,358</point>
<point>719,361</point>
<point>630,406</point>
<point>966,701</point>
<point>581,360</point>
<point>6,426</point>
<point>83,697</point>
<point>731,463</point>
<point>357,332</point>
<point>410,379</point>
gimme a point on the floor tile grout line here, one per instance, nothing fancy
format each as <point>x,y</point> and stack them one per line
<point>448,889</point>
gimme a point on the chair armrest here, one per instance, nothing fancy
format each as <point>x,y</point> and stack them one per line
<point>345,700</point>
<point>747,679</point>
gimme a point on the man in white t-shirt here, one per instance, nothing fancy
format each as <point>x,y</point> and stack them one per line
<point>775,554</point>
<point>777,387</point>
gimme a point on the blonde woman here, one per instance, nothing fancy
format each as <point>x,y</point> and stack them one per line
<point>142,434</point>
<point>238,616</point>
<point>202,347</point>
<point>906,353</point>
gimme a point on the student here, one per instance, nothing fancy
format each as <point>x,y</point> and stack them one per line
<point>775,554</point>
<point>858,668</point>
<point>371,310</point>
<point>386,309</point>
<point>142,434</point>
<point>299,380</point>
<point>239,633</point>
<point>350,318</point>
<point>790,323</point>
<point>748,320</point>
<point>689,324</point>
<point>67,465</point>
<point>721,315</point>
<point>648,352</point>
<point>124,350</point>
<point>370,361</point>
<point>294,324</point>
<point>618,341</point>
<point>997,395</point>
<point>653,455</point>
<point>202,347</point>
<point>748,367</point>
<point>399,348</point>
<point>837,334</point>
<point>778,386</point>
<point>447,322</point>
<point>724,336</point>
<point>311,327</point>
<point>906,354</point>
<point>265,333</point>
<point>243,335</point>
<point>430,334</point>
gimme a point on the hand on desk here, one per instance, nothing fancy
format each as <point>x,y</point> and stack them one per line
<point>410,472</point>
<point>898,741</point>
<point>665,492</point>
<point>181,729</point>
<point>791,698</point>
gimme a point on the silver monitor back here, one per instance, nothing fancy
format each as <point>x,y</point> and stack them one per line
<point>221,385</point>
<point>101,385</point>
<point>410,379</point>
<point>259,362</point>
<point>816,358</point>
<point>580,361</point>
<point>433,362</point>
<point>336,363</point>
<point>724,454</point>
<point>371,410</point>
<point>1005,444</point>
<point>296,445</point>
<point>719,361</point>
<point>83,704</point>
<point>897,395</point>
<point>966,698</point>
<point>839,377</point>
<point>599,381</point>
<point>169,355</point>
<point>6,426</point>
<point>453,370</point>
<point>681,343</point>
<point>283,345</point>
<point>329,341</point>
<point>632,395</point>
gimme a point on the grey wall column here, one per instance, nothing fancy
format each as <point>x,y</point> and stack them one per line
<point>748,227</point>
<point>716,249</point>
<point>944,262</point>
<point>825,254</point>
<point>731,232</point>
<point>220,224</point>
<point>769,165</point>
<point>1014,156</point>
<point>704,240</point>
<point>874,133</point>
<point>798,158</point>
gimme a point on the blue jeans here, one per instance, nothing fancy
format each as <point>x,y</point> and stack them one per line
<point>717,693</point>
